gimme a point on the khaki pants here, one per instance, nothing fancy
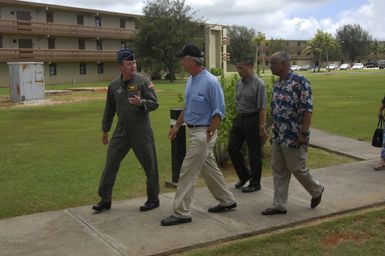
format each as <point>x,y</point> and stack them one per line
<point>287,161</point>
<point>200,159</point>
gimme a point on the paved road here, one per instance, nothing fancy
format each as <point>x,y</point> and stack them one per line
<point>125,231</point>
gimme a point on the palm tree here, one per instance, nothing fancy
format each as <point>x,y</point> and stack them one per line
<point>376,48</point>
<point>259,41</point>
<point>326,41</point>
<point>313,48</point>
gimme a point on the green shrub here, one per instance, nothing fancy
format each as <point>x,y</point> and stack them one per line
<point>216,71</point>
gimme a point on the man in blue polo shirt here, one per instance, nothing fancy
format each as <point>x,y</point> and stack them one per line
<point>203,112</point>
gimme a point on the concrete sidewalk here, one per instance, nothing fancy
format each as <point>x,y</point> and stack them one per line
<point>360,150</point>
<point>125,231</point>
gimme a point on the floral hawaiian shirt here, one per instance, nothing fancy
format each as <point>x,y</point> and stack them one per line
<point>291,98</point>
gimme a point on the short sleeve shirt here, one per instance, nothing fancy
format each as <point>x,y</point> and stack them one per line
<point>291,98</point>
<point>250,95</point>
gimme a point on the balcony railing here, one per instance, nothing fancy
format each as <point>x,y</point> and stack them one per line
<point>56,55</point>
<point>55,29</point>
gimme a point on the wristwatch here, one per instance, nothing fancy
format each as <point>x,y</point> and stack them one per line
<point>307,133</point>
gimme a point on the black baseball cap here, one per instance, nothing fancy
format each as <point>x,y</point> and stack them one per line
<point>190,50</point>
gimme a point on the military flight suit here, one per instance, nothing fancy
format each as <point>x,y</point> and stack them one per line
<point>133,130</point>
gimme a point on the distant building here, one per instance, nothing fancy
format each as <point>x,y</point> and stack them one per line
<point>77,44</point>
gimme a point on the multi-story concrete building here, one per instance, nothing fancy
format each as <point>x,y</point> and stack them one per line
<point>76,44</point>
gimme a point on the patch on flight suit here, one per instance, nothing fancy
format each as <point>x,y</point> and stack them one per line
<point>132,88</point>
<point>119,91</point>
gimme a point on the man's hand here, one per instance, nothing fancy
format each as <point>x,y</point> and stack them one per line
<point>303,139</point>
<point>263,134</point>
<point>105,138</point>
<point>136,99</point>
<point>210,134</point>
<point>173,132</point>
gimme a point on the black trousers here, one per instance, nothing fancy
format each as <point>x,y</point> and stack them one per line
<point>246,128</point>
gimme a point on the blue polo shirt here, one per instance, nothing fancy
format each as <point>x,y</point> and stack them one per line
<point>204,99</point>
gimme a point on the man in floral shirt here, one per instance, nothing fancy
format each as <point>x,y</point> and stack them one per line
<point>291,109</point>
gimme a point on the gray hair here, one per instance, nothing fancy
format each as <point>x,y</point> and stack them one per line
<point>198,60</point>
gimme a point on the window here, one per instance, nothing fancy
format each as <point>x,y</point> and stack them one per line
<point>99,45</point>
<point>122,23</point>
<point>100,68</point>
<point>299,43</point>
<point>1,41</point>
<point>23,15</point>
<point>83,68</point>
<point>51,43</point>
<point>98,21</point>
<point>299,53</point>
<point>52,69</point>
<point>82,44</point>
<point>80,19</point>
<point>123,45</point>
<point>49,16</point>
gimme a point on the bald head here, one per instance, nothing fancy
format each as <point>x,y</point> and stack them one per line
<point>283,56</point>
<point>280,64</point>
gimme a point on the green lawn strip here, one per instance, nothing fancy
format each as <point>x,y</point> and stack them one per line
<point>360,233</point>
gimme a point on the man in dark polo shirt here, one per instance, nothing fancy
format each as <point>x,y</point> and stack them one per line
<point>249,126</point>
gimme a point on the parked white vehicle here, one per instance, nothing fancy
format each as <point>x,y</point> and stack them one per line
<point>358,66</point>
<point>345,66</point>
<point>332,66</point>
<point>295,67</point>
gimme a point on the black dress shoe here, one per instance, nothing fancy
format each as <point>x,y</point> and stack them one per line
<point>241,183</point>
<point>220,208</point>
<point>149,205</point>
<point>101,206</point>
<point>251,188</point>
<point>316,201</point>
<point>271,211</point>
<point>173,220</point>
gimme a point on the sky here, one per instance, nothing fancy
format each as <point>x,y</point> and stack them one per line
<point>283,19</point>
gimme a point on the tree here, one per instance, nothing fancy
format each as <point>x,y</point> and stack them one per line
<point>354,41</point>
<point>312,47</point>
<point>166,27</point>
<point>377,48</point>
<point>241,42</point>
<point>259,41</point>
<point>326,42</point>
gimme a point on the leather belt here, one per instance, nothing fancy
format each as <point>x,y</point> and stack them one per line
<point>247,114</point>
<point>197,125</point>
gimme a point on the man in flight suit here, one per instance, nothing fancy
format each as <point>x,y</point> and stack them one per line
<point>130,96</point>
